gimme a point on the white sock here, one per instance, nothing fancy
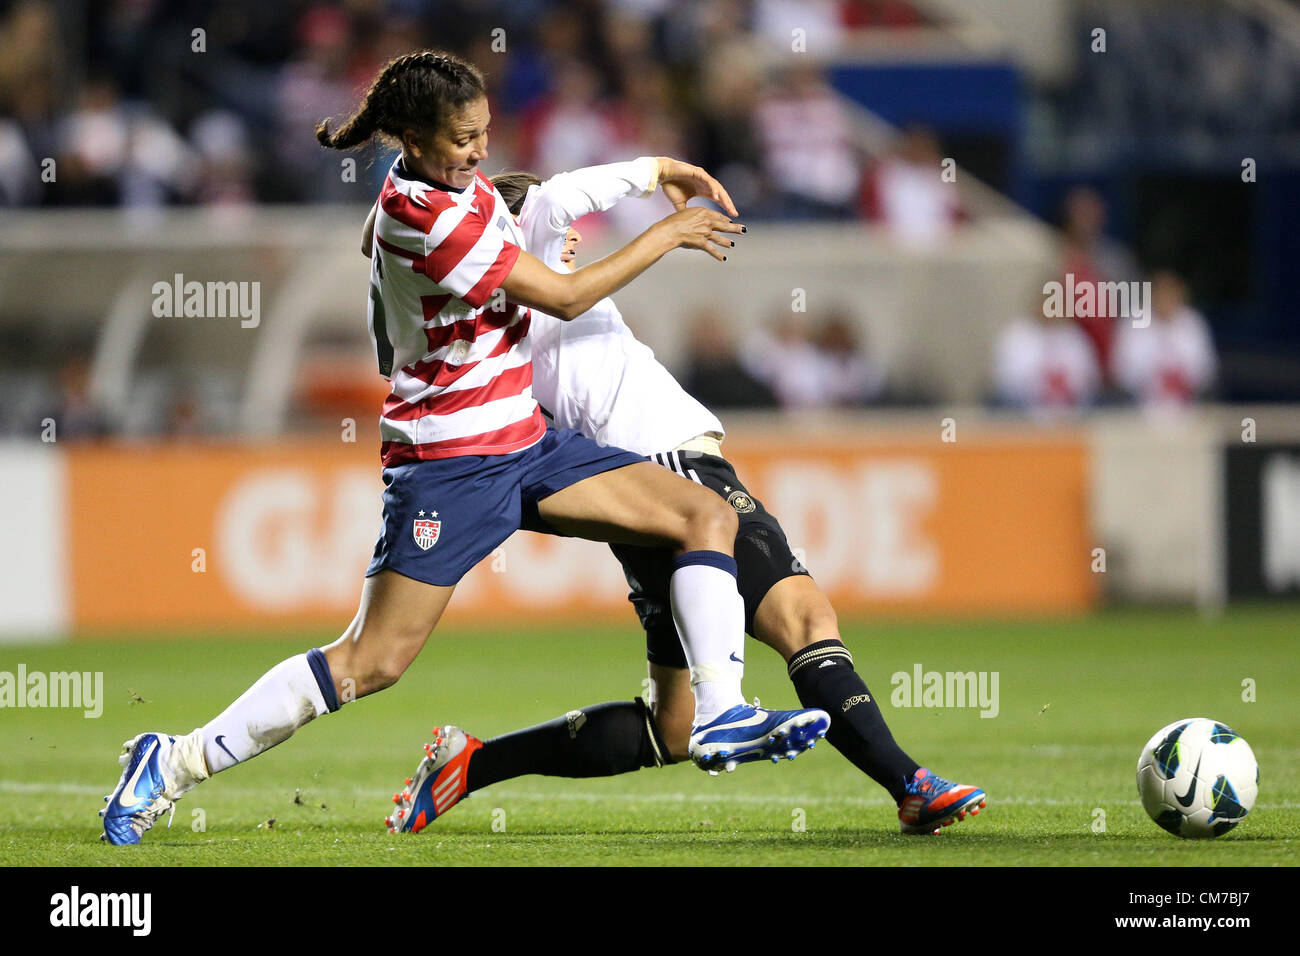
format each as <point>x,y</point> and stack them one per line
<point>710,618</point>
<point>287,696</point>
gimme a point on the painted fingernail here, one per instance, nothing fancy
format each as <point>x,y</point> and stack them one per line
<point>743,229</point>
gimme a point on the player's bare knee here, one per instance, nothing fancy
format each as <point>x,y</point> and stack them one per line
<point>364,668</point>
<point>710,524</point>
<point>359,677</point>
<point>384,674</point>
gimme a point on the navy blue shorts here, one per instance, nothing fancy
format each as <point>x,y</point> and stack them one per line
<point>444,516</point>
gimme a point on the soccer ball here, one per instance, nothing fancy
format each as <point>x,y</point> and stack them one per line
<point>1197,778</point>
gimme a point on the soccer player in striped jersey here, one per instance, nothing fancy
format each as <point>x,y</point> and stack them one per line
<point>593,375</point>
<point>468,458</point>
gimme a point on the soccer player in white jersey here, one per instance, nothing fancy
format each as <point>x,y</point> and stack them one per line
<point>468,458</point>
<point>592,374</point>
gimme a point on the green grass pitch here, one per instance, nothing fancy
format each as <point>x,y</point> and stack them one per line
<point>1078,698</point>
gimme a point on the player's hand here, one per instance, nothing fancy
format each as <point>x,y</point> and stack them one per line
<point>699,228</point>
<point>682,181</point>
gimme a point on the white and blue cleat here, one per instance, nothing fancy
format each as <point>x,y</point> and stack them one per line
<point>744,734</point>
<point>140,798</point>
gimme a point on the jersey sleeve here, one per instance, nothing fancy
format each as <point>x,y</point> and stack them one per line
<point>567,197</point>
<point>467,258</point>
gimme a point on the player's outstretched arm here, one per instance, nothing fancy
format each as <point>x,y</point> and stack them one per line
<point>568,295</point>
<point>567,197</point>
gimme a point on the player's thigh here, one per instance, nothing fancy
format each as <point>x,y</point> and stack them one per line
<point>641,504</point>
<point>395,618</point>
<point>673,704</point>
<point>794,613</point>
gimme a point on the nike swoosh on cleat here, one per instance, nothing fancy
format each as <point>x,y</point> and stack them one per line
<point>758,717</point>
<point>221,737</point>
<point>1186,799</point>
<point>131,783</point>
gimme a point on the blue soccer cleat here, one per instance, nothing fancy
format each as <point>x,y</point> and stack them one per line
<point>439,782</point>
<point>140,797</point>
<point>933,802</point>
<point>744,734</point>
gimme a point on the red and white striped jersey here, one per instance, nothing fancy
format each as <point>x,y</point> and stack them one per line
<point>457,355</point>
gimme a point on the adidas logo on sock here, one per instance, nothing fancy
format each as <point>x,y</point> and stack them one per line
<point>825,664</point>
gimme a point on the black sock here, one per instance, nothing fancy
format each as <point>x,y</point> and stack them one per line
<point>824,677</point>
<point>598,741</point>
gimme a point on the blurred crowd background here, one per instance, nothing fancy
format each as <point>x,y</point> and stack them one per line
<point>1170,156</point>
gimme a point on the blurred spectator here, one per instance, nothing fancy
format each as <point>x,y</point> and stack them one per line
<point>649,124</point>
<point>1091,257</point>
<point>31,57</point>
<point>809,159</point>
<point>864,14</point>
<point>725,138</point>
<point>313,85</point>
<point>715,375</point>
<point>77,416</point>
<point>785,358</point>
<point>1045,365</point>
<point>1171,361</point>
<point>112,152</point>
<point>853,378</point>
<point>19,182</point>
<point>906,190</point>
<point>819,23</point>
<point>221,141</point>
<point>570,126</point>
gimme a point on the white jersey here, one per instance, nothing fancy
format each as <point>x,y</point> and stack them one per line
<point>1167,362</point>
<point>592,374</point>
<point>1046,366</point>
<point>459,365</point>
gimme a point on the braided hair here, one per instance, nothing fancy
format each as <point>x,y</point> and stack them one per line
<point>417,91</point>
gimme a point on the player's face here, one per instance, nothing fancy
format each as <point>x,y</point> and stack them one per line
<point>572,239</point>
<point>452,155</point>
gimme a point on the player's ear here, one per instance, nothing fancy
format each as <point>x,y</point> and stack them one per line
<point>411,142</point>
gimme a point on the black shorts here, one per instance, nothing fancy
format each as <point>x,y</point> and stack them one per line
<point>763,556</point>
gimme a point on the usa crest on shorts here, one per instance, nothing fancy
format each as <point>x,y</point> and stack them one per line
<point>426,532</point>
